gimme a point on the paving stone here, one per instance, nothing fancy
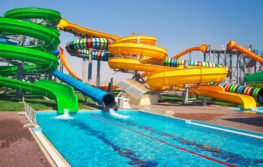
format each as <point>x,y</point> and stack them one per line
<point>17,145</point>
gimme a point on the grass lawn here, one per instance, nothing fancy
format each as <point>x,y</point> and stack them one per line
<point>171,99</point>
<point>9,102</point>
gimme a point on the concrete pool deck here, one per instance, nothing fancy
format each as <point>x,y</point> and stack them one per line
<point>17,145</point>
<point>213,114</point>
<point>19,148</point>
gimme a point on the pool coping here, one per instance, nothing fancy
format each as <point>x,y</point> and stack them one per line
<point>226,129</point>
<point>53,156</point>
<point>51,153</point>
<point>169,113</point>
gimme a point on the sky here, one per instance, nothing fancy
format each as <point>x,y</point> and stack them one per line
<point>177,24</point>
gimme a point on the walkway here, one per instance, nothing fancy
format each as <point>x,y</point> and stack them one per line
<point>214,114</point>
<point>17,145</point>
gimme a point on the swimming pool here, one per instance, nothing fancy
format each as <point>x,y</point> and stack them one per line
<point>95,138</point>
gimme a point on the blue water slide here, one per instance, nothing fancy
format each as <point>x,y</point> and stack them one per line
<point>98,95</point>
<point>8,42</point>
<point>55,52</point>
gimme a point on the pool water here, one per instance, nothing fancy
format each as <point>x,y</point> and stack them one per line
<point>95,138</point>
<point>257,109</point>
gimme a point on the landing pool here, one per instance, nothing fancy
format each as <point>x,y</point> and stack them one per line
<point>95,138</point>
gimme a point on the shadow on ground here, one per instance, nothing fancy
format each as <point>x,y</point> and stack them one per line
<point>258,121</point>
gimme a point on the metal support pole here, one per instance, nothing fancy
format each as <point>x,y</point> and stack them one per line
<point>225,58</point>
<point>204,57</point>
<point>98,74</point>
<point>204,101</point>
<point>210,52</point>
<point>230,57</point>
<point>238,76</point>
<point>19,93</point>
<point>190,56</point>
<point>218,58</point>
<point>138,56</point>
<point>186,99</point>
<point>90,67</point>
<point>84,69</point>
<point>244,67</point>
<point>111,81</point>
<point>61,67</point>
<point>186,95</point>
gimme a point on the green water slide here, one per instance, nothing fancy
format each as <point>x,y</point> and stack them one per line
<point>257,77</point>
<point>38,56</point>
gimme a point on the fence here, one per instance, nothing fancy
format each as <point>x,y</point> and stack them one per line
<point>31,113</point>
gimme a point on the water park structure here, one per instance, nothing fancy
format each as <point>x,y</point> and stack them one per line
<point>34,62</point>
<point>160,72</point>
<point>134,53</point>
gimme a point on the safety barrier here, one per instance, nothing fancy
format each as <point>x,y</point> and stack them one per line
<point>31,113</point>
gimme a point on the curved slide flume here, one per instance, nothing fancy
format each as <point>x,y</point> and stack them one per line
<point>98,95</point>
<point>160,77</point>
<point>217,92</point>
<point>151,58</point>
<point>202,48</point>
<point>42,60</point>
<point>257,77</point>
<point>80,48</point>
<point>232,45</point>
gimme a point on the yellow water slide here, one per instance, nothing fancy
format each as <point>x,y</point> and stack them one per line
<point>64,24</point>
<point>149,59</point>
<point>217,92</point>
<point>141,54</point>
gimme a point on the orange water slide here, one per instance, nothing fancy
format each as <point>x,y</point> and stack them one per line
<point>73,74</point>
<point>159,77</point>
<point>149,58</point>
<point>232,45</point>
<point>66,65</point>
<point>64,24</point>
<point>202,48</point>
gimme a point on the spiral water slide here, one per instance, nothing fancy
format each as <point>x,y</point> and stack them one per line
<point>150,57</point>
<point>38,56</point>
<point>218,92</point>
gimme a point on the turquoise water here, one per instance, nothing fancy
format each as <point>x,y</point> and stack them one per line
<point>95,138</point>
<point>257,109</point>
